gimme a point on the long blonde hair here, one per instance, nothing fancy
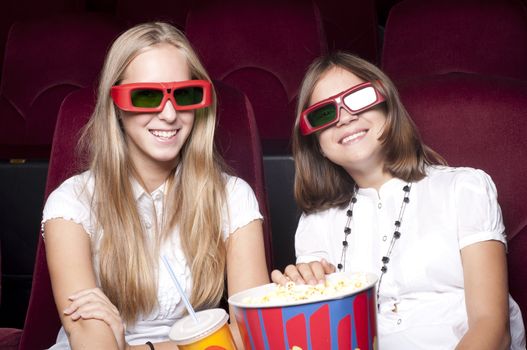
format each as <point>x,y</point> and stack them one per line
<point>128,260</point>
<point>321,184</point>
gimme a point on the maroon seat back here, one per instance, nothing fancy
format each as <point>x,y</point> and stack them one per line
<point>383,8</point>
<point>45,60</point>
<point>10,338</point>
<point>237,140</point>
<point>263,48</point>
<point>441,36</point>
<point>42,321</point>
<point>351,26</point>
<point>135,11</point>
<point>13,11</point>
<point>478,121</point>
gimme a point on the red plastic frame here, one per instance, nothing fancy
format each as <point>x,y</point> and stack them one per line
<point>306,128</point>
<point>121,95</point>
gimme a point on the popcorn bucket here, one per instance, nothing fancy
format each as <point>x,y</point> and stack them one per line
<point>330,322</point>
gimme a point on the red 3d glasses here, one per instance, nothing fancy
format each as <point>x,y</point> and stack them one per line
<point>152,97</point>
<point>325,113</point>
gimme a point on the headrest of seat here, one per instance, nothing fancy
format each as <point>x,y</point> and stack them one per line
<point>279,37</point>
<point>45,53</point>
<point>442,36</point>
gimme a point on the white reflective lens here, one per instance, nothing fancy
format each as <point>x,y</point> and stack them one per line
<point>361,98</point>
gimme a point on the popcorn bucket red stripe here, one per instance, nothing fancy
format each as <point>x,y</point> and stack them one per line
<point>320,328</point>
<point>273,323</point>
<point>360,305</point>
<point>255,329</point>
<point>296,331</point>
<point>344,327</point>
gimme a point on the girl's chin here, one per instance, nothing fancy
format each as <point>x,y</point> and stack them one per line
<point>164,157</point>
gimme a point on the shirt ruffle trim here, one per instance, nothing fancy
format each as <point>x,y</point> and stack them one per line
<point>64,218</point>
<point>481,237</point>
<point>243,221</point>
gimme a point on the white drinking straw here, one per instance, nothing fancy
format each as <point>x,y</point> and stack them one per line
<point>189,307</point>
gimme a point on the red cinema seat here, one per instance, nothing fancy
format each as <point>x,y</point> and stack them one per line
<point>13,11</point>
<point>45,60</point>
<point>237,140</point>
<point>263,48</point>
<point>135,11</point>
<point>441,36</point>
<point>351,26</point>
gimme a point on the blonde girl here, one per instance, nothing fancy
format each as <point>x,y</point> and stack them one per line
<point>155,186</point>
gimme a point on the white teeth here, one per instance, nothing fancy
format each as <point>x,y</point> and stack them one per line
<point>163,133</point>
<point>353,137</point>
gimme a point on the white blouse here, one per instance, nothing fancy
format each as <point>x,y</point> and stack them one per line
<point>72,201</point>
<point>422,300</point>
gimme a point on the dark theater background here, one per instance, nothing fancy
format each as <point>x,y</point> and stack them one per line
<point>460,67</point>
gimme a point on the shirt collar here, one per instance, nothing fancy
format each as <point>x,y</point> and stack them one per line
<point>139,191</point>
<point>387,189</point>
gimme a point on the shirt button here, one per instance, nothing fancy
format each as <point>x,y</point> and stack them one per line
<point>148,224</point>
<point>379,205</point>
<point>399,321</point>
<point>384,238</point>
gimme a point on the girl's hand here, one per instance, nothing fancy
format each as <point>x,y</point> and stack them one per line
<point>310,273</point>
<point>93,304</point>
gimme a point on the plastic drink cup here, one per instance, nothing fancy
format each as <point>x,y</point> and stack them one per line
<point>211,332</point>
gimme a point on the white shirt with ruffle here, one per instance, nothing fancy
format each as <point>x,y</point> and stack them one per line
<point>72,201</point>
<point>422,300</point>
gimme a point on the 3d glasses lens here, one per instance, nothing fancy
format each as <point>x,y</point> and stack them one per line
<point>188,96</point>
<point>146,98</point>
<point>322,115</point>
<point>360,99</point>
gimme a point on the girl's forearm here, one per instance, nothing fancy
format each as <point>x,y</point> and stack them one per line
<point>486,334</point>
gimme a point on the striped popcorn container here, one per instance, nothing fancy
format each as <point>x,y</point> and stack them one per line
<point>342,322</point>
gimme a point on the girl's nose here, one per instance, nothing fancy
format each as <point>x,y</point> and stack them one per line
<point>169,113</point>
<point>346,117</point>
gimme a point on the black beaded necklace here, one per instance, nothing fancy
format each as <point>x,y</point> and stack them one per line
<point>396,233</point>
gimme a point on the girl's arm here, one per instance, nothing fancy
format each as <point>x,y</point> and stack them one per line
<point>68,253</point>
<point>88,317</point>
<point>246,266</point>
<point>486,294</point>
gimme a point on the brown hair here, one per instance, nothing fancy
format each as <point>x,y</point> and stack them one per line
<point>319,183</point>
<point>195,194</point>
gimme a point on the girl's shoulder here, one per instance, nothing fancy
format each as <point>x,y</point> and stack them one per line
<point>242,205</point>
<point>456,177</point>
<point>236,185</point>
<point>71,201</point>
<point>324,215</point>
<point>75,185</point>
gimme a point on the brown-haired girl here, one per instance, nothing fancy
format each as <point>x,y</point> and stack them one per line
<point>376,199</point>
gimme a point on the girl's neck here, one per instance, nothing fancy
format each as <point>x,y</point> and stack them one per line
<point>371,179</point>
<point>152,183</point>
<point>154,176</point>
